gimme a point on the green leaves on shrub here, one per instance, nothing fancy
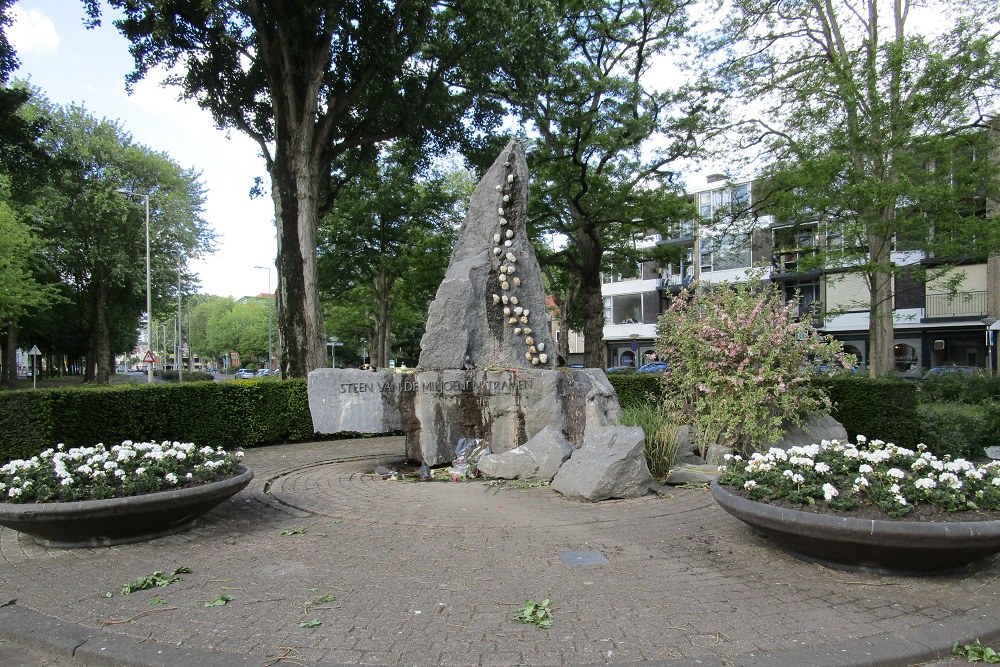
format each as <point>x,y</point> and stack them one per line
<point>536,613</point>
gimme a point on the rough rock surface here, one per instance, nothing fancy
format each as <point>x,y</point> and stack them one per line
<point>611,464</point>
<point>539,458</point>
<point>489,312</point>
<point>812,432</point>
<point>436,408</point>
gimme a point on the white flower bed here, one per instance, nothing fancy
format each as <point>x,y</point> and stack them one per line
<point>846,476</point>
<point>128,469</point>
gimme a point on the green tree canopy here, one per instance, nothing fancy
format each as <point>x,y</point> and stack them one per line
<point>872,126</point>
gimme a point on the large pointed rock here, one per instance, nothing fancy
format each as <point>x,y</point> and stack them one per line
<point>489,311</point>
<point>539,458</point>
<point>611,464</point>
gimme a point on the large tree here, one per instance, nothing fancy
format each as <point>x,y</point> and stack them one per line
<point>94,233</point>
<point>608,139</point>
<point>385,245</point>
<point>312,81</point>
<point>873,125</point>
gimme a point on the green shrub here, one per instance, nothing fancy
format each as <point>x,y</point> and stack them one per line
<point>660,432</point>
<point>226,414</point>
<point>636,389</point>
<point>956,388</point>
<point>740,364</point>
<point>958,429</point>
<point>883,408</point>
<point>188,376</point>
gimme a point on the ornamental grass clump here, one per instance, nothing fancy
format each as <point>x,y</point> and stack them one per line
<point>129,469</point>
<point>740,363</point>
<point>845,476</point>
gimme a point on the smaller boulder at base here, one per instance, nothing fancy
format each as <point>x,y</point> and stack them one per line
<point>539,458</point>
<point>611,464</point>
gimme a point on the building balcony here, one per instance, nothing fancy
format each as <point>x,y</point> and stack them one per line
<point>672,282</point>
<point>960,304</point>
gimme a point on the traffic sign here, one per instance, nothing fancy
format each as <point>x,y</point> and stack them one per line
<point>634,345</point>
<point>150,358</point>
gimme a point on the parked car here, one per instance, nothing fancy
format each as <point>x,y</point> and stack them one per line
<point>263,372</point>
<point>244,374</point>
<point>939,371</point>
<point>654,367</point>
<point>620,369</point>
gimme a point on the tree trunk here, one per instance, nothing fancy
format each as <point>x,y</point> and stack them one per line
<point>881,339</point>
<point>591,299</point>
<point>9,377</point>
<point>101,350</point>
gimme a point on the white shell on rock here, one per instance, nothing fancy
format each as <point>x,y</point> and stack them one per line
<point>506,311</point>
<point>499,188</point>
<point>512,320</point>
<point>500,211</point>
<point>513,300</point>
<point>529,341</point>
<point>532,349</point>
<point>511,257</point>
<point>534,360</point>
<point>496,299</point>
<point>497,250</point>
<point>503,269</point>
<point>518,310</point>
<point>503,221</point>
<point>506,298</point>
<point>517,281</point>
<point>527,331</point>
<point>510,178</point>
<point>527,355</point>
<point>524,319</point>
<point>496,238</point>
<point>507,244</point>
<point>505,285</point>
<point>541,347</point>
<point>506,198</point>
<point>544,358</point>
<point>510,269</point>
<point>527,312</point>
<point>510,233</point>
<point>517,331</point>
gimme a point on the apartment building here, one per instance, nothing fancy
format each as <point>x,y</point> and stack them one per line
<point>951,318</point>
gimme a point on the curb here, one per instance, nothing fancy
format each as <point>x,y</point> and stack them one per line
<point>27,628</point>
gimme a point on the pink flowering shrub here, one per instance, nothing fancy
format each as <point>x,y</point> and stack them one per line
<point>740,364</point>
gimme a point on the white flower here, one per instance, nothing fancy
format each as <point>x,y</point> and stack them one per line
<point>749,484</point>
<point>861,439</point>
<point>67,481</point>
<point>895,472</point>
<point>139,472</point>
<point>864,468</point>
<point>14,492</point>
<point>171,478</point>
<point>861,481</point>
<point>821,467</point>
<point>830,491</point>
<point>925,483</point>
<point>996,481</point>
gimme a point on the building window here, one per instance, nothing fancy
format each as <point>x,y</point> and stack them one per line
<point>732,252</point>
<point>623,309</point>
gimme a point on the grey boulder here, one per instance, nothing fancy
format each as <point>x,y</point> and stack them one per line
<point>610,464</point>
<point>538,458</point>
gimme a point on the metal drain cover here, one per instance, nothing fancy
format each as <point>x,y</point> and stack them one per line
<point>583,558</point>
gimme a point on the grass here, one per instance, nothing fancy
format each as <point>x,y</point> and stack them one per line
<point>661,436</point>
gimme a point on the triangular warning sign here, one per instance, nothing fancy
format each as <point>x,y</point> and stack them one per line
<point>150,358</point>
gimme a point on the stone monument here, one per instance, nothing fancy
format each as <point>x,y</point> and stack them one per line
<point>486,367</point>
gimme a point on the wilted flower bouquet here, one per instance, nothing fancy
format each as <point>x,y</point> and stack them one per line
<point>128,469</point>
<point>845,476</point>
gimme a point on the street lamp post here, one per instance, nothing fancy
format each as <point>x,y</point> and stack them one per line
<point>180,326</point>
<point>991,325</point>
<point>149,292</point>
<point>270,355</point>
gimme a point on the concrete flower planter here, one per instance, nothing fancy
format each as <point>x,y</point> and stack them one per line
<point>97,523</point>
<point>901,546</point>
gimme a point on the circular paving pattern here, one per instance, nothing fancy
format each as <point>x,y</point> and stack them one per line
<point>324,562</point>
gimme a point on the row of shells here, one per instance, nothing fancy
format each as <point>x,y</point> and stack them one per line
<point>517,316</point>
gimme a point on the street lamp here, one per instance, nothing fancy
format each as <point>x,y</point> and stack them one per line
<point>149,293</point>
<point>270,356</point>
<point>991,326</point>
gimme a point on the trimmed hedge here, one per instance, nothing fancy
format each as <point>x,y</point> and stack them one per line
<point>227,414</point>
<point>636,389</point>
<point>883,408</point>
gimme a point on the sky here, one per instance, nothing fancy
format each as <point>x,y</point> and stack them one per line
<point>71,64</point>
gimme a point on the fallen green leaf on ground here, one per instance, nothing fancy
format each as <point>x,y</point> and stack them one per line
<point>538,614</point>
<point>156,600</point>
<point>153,580</point>
<point>323,599</point>
<point>294,531</point>
<point>976,652</point>
<point>220,601</point>
<point>311,624</point>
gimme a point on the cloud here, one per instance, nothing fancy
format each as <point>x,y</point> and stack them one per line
<point>32,32</point>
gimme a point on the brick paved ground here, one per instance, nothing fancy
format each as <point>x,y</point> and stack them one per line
<point>432,574</point>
